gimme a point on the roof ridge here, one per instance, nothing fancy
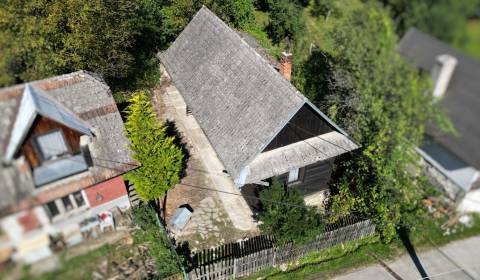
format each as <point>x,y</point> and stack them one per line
<point>58,78</point>
<point>205,9</point>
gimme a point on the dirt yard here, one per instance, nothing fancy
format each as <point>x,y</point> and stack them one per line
<point>210,224</point>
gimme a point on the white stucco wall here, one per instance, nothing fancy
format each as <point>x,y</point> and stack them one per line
<point>471,202</point>
<point>17,237</point>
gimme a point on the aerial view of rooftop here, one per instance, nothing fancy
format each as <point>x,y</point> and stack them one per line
<point>239,139</point>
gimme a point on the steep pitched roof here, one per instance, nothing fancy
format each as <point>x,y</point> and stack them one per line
<point>79,100</point>
<point>462,99</point>
<point>239,100</point>
<point>35,102</point>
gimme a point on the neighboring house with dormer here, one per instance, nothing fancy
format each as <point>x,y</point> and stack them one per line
<point>259,125</point>
<point>451,161</point>
<point>63,149</point>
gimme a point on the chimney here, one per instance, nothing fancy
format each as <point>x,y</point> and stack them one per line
<point>286,65</point>
<point>441,73</point>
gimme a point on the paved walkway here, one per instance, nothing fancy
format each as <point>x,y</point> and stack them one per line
<point>457,260</point>
<point>235,205</point>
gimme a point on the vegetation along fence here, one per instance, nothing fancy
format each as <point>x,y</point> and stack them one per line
<point>246,257</point>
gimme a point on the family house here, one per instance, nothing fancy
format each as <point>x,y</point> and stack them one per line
<point>259,125</point>
<point>63,150</point>
<point>452,162</point>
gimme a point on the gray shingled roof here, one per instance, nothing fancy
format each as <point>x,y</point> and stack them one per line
<point>462,99</point>
<point>90,99</point>
<point>239,100</point>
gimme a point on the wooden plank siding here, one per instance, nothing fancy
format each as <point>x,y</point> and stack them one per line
<point>305,124</point>
<point>43,125</point>
<point>314,177</point>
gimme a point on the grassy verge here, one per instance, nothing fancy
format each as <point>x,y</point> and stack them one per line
<point>472,43</point>
<point>343,258</point>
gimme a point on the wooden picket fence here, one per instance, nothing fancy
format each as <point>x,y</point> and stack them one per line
<point>246,257</point>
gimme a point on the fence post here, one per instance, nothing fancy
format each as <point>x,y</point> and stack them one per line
<point>234,267</point>
<point>274,262</point>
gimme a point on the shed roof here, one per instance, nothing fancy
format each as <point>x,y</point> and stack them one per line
<point>462,99</point>
<point>239,100</point>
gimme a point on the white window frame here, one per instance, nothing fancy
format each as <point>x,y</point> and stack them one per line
<point>293,176</point>
<point>61,208</point>
<point>41,150</point>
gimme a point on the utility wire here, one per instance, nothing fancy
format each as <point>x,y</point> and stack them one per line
<point>319,137</point>
<point>202,188</point>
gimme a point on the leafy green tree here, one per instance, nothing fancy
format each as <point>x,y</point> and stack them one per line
<point>267,5</point>
<point>116,38</point>
<point>177,14</point>
<point>381,101</point>
<point>286,217</point>
<point>160,158</point>
<point>42,38</point>
<point>322,7</point>
<point>286,23</point>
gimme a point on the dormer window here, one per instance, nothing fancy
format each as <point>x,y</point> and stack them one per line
<point>51,145</point>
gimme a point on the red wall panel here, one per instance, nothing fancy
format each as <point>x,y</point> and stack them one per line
<point>29,221</point>
<point>106,191</point>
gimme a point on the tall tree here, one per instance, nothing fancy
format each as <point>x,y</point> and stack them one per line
<point>286,23</point>
<point>177,14</point>
<point>42,38</point>
<point>116,38</point>
<point>160,158</point>
<point>381,101</point>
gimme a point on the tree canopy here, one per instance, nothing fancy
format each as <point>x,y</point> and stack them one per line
<point>285,215</point>
<point>286,23</point>
<point>115,38</point>
<point>359,79</point>
<point>43,38</point>
<point>160,158</point>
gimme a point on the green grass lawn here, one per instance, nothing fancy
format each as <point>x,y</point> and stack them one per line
<point>472,43</point>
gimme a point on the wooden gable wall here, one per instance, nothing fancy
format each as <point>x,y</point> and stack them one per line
<point>305,124</point>
<point>43,125</point>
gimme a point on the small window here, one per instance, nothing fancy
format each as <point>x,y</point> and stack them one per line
<point>293,175</point>
<point>67,203</point>
<point>52,209</point>
<point>51,145</point>
<point>79,198</point>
